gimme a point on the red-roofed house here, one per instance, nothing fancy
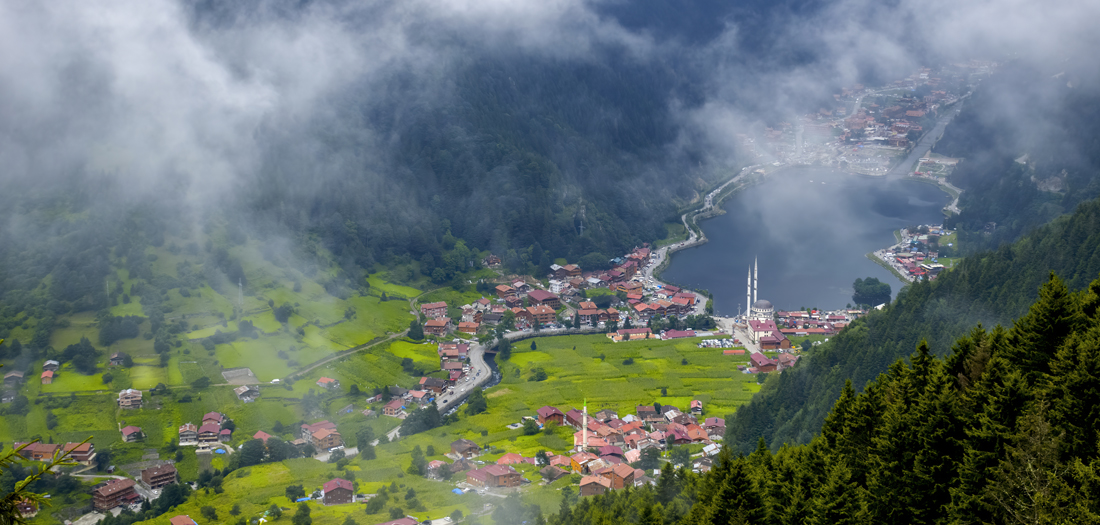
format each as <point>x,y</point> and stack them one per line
<point>337,492</point>
<point>392,408</point>
<point>437,326</point>
<point>762,363</point>
<point>47,377</point>
<point>594,485</point>
<point>208,433</point>
<point>504,291</point>
<point>678,334</point>
<point>543,297</point>
<point>131,434</point>
<point>468,327</point>
<point>510,458</point>
<point>434,310</point>
<point>635,333</point>
<point>114,493</point>
<point>307,431</point>
<point>621,476</point>
<point>541,314</point>
<point>325,439</point>
<point>550,414</point>
<point>494,476</point>
<point>261,435</point>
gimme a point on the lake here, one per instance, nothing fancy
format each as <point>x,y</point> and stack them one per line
<point>811,230</point>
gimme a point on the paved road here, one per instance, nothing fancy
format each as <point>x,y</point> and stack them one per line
<point>349,452</point>
<point>693,239</point>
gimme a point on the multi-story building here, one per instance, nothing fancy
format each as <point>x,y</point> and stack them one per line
<point>158,477</point>
<point>434,310</point>
<point>114,493</point>
<point>189,433</point>
<point>338,491</point>
<point>129,398</point>
<point>325,439</point>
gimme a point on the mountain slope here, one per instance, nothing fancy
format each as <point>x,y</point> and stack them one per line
<point>988,288</point>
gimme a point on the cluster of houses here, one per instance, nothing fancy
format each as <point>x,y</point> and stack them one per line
<point>105,496</point>
<point>602,455</point>
<point>83,453</point>
<point>533,307</point>
<point>213,430</point>
<point>122,492</point>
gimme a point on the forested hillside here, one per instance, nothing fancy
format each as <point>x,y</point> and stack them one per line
<point>1028,140</point>
<point>988,288</point>
<point>1002,430</point>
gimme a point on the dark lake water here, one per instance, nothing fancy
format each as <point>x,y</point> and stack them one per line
<point>811,230</point>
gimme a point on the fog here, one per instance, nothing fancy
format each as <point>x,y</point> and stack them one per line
<point>212,104</point>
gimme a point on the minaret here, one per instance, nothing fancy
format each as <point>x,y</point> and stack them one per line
<point>755,274</point>
<point>584,430</point>
<point>748,294</point>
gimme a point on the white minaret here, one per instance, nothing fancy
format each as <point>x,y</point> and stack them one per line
<point>748,294</point>
<point>584,422</point>
<point>755,274</point>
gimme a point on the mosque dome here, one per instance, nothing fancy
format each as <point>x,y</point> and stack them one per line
<point>762,305</point>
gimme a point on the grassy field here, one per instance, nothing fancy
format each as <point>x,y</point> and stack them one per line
<point>676,233</point>
<point>579,374</point>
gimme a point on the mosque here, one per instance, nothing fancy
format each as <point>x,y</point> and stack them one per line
<point>759,310</point>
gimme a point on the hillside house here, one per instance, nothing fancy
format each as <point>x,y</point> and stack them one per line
<point>393,408</point>
<point>630,334</point>
<point>47,377</point>
<point>38,451</point>
<point>337,491</point>
<point>468,327</point>
<point>129,399</point>
<point>306,431</point>
<point>464,448</point>
<point>247,393</point>
<point>541,314</point>
<point>594,485</point>
<point>762,363</point>
<point>433,384</point>
<point>504,291</point>
<point>83,453</point>
<point>189,433</point>
<point>114,493</point>
<point>132,434</point>
<point>542,297</point>
<point>181,520</point>
<point>326,439</point>
<point>13,379</point>
<point>215,418</point>
<point>159,476</point>
<point>208,433</point>
<point>328,382</point>
<point>118,358</point>
<point>493,476</point>
<point>51,365</point>
<point>549,414</point>
<point>434,310</point>
<point>438,327</point>
<point>621,476</point>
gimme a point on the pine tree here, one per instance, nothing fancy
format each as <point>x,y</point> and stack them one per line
<point>1035,338</point>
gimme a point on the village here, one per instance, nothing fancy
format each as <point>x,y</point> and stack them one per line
<point>624,303</point>
<point>917,255</point>
<point>868,130</point>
